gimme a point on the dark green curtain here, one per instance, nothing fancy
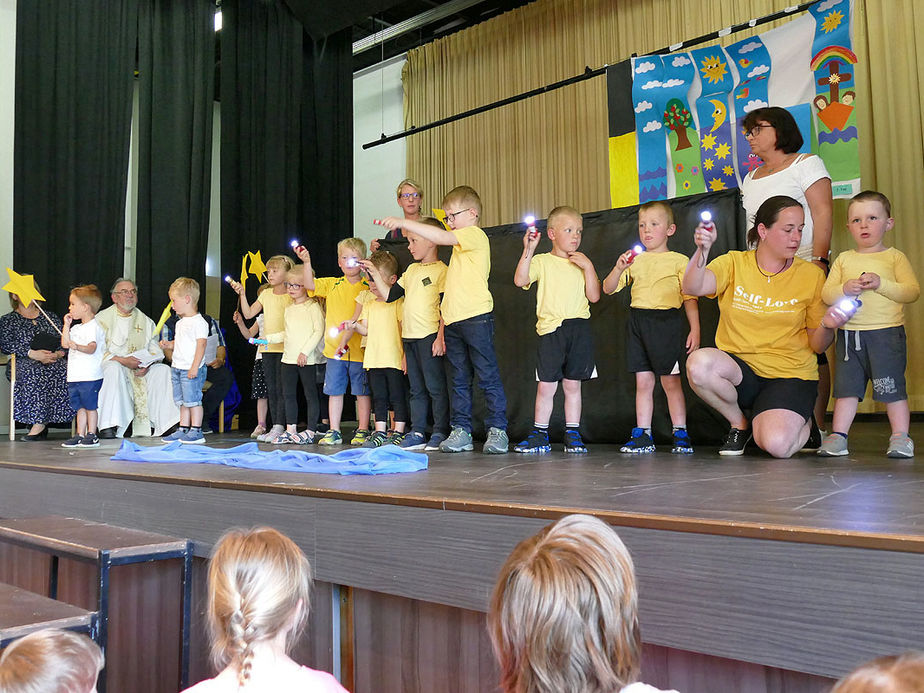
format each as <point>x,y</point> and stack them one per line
<point>176,65</point>
<point>286,141</point>
<point>74,67</point>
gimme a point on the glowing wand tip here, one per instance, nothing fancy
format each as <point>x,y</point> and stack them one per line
<point>228,278</point>
<point>705,216</point>
<point>529,220</point>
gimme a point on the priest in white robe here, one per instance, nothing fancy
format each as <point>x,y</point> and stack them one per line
<point>133,393</point>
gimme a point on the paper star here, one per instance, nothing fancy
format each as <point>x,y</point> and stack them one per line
<point>257,268</point>
<point>23,285</point>
<point>440,214</point>
<point>163,320</point>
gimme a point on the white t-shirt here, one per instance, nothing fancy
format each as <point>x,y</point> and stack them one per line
<point>188,330</point>
<point>302,680</point>
<point>792,181</point>
<point>83,367</point>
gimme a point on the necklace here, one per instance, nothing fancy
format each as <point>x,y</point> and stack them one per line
<point>772,274</point>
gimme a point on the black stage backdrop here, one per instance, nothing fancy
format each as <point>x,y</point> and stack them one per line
<point>286,142</point>
<point>609,400</point>
<point>176,67</point>
<point>74,69</point>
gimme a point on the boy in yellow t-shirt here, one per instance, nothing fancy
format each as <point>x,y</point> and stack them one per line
<point>344,370</point>
<point>467,312</point>
<point>883,279</point>
<point>380,321</point>
<point>656,338</point>
<point>568,284</point>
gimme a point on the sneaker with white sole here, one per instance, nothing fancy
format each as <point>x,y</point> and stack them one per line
<point>497,442</point>
<point>900,446</point>
<point>332,437</point>
<point>735,442</point>
<point>89,441</point>
<point>176,435</point>
<point>834,445</point>
<point>459,440</point>
<point>573,441</point>
<point>376,440</point>
<point>413,441</point>
<point>72,442</point>
<point>193,437</point>
<point>360,436</point>
<point>435,441</point>
<point>536,442</point>
<point>682,443</point>
<point>639,442</point>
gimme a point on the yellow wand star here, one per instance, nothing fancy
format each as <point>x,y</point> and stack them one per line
<point>23,285</point>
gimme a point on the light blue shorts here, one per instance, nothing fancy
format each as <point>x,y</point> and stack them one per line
<point>341,373</point>
<point>188,392</point>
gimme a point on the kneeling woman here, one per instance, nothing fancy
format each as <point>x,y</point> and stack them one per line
<point>772,323</point>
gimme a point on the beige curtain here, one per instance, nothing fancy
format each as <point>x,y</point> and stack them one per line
<point>552,149</point>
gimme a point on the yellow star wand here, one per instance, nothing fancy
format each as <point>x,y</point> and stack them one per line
<point>23,285</point>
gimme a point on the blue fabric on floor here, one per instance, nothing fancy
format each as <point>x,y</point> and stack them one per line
<point>388,459</point>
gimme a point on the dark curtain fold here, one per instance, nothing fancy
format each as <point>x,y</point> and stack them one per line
<point>286,141</point>
<point>74,69</point>
<point>176,61</point>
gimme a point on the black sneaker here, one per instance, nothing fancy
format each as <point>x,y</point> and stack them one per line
<point>682,443</point>
<point>735,442</point>
<point>536,442</point>
<point>72,442</point>
<point>814,439</point>
<point>89,441</point>
<point>574,442</point>
<point>640,442</point>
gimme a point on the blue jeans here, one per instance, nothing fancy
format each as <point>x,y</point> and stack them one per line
<point>427,376</point>
<point>187,392</point>
<point>470,351</point>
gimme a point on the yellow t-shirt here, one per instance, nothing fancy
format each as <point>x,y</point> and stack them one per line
<point>883,307</point>
<point>304,330</point>
<point>656,279</point>
<point>274,309</point>
<point>341,304</point>
<point>467,293</point>
<point>764,323</point>
<point>560,295</point>
<point>422,286</point>
<point>383,342</point>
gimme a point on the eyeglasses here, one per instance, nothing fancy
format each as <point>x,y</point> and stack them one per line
<point>755,131</point>
<point>126,292</point>
<point>451,216</point>
<point>290,285</point>
<point>409,196</point>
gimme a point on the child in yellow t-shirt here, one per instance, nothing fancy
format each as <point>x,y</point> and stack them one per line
<point>467,313</point>
<point>380,321</point>
<point>656,338</point>
<point>883,280</point>
<point>343,370</point>
<point>568,284</point>
<point>273,302</point>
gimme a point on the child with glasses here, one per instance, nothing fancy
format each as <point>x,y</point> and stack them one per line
<point>467,313</point>
<point>304,330</point>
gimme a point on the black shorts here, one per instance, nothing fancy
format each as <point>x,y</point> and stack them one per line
<point>656,341</point>
<point>758,394</point>
<point>567,353</point>
<point>877,356</point>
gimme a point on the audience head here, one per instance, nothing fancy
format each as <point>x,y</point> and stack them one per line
<point>563,616</point>
<point>50,661</point>
<point>463,205</point>
<point>85,296</point>
<point>276,269</point>
<point>124,295</point>
<point>788,137</point>
<point>184,294</point>
<point>768,214</point>
<point>410,197</point>
<point>259,590</point>
<point>15,303</point>
<point>893,674</point>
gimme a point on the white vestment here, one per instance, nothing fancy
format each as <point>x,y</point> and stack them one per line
<point>125,397</point>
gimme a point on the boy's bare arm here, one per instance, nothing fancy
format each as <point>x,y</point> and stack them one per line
<point>431,233</point>
<point>611,281</point>
<point>591,281</point>
<point>376,276</point>
<point>307,270</point>
<point>521,274</point>
<point>691,306</point>
<point>197,358</point>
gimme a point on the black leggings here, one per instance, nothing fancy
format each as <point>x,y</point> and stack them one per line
<point>291,375</point>
<point>388,388</point>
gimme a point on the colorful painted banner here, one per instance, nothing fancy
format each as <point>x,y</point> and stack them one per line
<point>689,107</point>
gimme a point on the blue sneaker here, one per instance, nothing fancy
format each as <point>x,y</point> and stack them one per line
<point>573,441</point>
<point>536,442</point>
<point>682,443</point>
<point>176,435</point>
<point>193,437</point>
<point>639,443</point>
<point>413,441</point>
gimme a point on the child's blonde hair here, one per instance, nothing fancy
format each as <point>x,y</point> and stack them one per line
<point>563,211</point>
<point>282,262</point>
<point>50,661</point>
<point>296,274</point>
<point>464,196</point>
<point>89,294</point>
<point>659,204</point>
<point>357,245</point>
<point>412,183</point>
<point>872,196</point>
<point>902,673</point>
<point>184,286</point>
<point>259,586</point>
<point>564,613</point>
<point>385,263</point>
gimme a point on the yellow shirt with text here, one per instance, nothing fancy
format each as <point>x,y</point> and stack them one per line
<point>467,293</point>
<point>560,295</point>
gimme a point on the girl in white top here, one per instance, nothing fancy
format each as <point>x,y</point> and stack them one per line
<point>259,588</point>
<point>564,613</point>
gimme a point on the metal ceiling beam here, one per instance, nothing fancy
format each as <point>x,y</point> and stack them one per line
<point>421,20</point>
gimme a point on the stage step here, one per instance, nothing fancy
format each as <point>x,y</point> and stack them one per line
<point>23,612</point>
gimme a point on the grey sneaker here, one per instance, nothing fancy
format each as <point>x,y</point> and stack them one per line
<point>834,445</point>
<point>900,445</point>
<point>176,435</point>
<point>496,443</point>
<point>459,440</point>
<point>193,437</point>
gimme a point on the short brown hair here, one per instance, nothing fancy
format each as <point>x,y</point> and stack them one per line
<point>788,137</point>
<point>768,213</point>
<point>564,613</point>
<point>185,286</point>
<point>465,196</point>
<point>902,673</point>
<point>89,294</point>
<point>432,221</point>
<point>50,661</point>
<point>871,196</point>
<point>659,204</point>
<point>384,262</point>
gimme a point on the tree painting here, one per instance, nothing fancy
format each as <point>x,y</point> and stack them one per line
<point>677,117</point>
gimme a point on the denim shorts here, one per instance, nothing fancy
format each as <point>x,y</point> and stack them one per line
<point>340,373</point>
<point>84,394</point>
<point>188,392</point>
